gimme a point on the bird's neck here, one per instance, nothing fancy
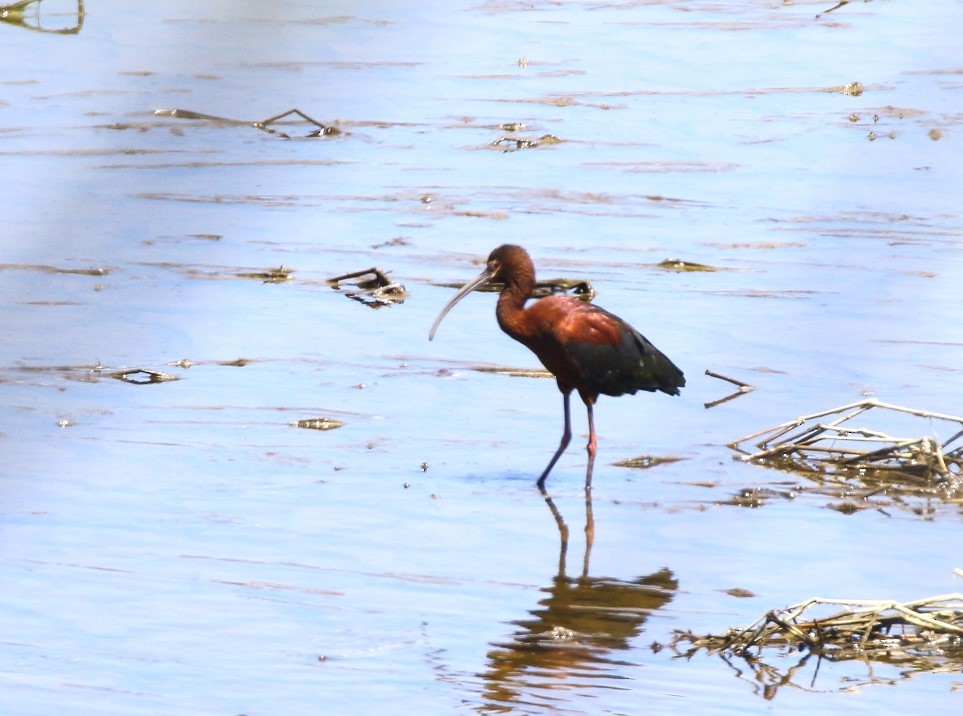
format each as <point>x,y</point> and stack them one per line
<point>510,311</point>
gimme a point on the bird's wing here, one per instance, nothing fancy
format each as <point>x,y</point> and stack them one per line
<point>599,351</point>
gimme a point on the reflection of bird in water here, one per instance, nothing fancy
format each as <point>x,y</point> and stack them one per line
<point>586,348</point>
<point>569,639</point>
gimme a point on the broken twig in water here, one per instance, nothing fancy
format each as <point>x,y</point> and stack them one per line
<point>142,376</point>
<point>279,275</point>
<point>16,14</point>
<point>838,5</point>
<point>376,289</point>
<point>264,124</point>
<point>743,389</point>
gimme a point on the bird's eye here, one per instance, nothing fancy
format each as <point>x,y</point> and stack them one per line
<point>493,266</point>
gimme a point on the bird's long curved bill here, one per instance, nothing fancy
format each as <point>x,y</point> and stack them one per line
<point>462,292</point>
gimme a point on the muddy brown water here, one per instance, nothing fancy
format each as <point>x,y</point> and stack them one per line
<point>181,546</point>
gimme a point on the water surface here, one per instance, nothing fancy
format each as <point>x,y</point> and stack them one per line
<point>181,547</point>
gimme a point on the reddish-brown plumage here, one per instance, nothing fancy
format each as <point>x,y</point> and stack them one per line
<point>585,347</point>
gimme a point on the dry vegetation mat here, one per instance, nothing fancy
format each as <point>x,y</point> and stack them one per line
<point>868,447</point>
<point>922,635</point>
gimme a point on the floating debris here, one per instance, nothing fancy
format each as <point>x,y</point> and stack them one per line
<point>838,5</point>
<point>188,363</point>
<point>513,144</point>
<point>513,372</point>
<point>753,497</point>
<point>839,449</point>
<point>644,462</point>
<point>16,14</point>
<point>375,288</point>
<point>142,376</point>
<point>854,89</point>
<point>399,240</point>
<point>680,265</point>
<point>739,593</point>
<point>279,275</point>
<point>579,288</point>
<point>265,125</point>
<point>97,271</point>
<point>319,424</point>
<point>863,629</point>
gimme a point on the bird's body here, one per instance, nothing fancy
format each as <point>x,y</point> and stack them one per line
<point>585,347</point>
<point>589,349</point>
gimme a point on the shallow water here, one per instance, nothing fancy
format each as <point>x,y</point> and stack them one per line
<point>182,547</point>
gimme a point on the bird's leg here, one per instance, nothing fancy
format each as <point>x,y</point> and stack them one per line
<point>566,437</point>
<point>590,448</point>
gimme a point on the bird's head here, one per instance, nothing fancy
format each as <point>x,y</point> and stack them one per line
<point>506,264</point>
<point>508,261</point>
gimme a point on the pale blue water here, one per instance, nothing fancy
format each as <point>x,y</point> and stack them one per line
<point>182,548</point>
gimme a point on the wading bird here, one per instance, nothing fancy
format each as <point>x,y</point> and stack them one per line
<point>585,347</point>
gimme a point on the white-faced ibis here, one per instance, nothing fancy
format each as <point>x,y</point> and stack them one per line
<point>585,347</point>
